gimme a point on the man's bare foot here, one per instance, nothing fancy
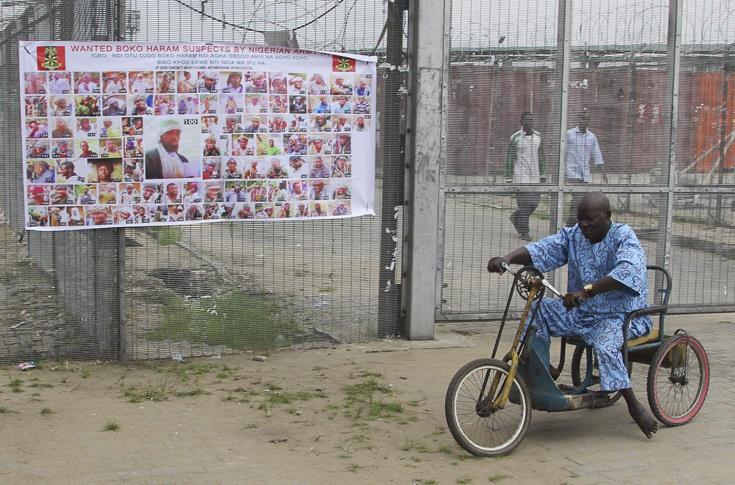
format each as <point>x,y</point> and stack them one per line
<point>642,417</point>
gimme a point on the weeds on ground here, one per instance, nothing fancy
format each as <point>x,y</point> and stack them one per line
<point>411,445</point>
<point>16,385</point>
<point>191,370</point>
<point>5,410</point>
<point>362,401</point>
<point>40,385</point>
<point>177,380</point>
<point>236,319</point>
<point>167,235</point>
<point>240,395</point>
<point>497,477</point>
<point>274,396</point>
<point>46,411</point>
<point>111,425</point>
<point>149,392</point>
<point>198,391</point>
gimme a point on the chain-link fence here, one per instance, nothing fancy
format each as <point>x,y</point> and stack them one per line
<point>652,81</point>
<point>207,289</point>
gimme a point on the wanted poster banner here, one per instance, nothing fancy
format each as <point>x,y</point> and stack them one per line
<point>120,134</point>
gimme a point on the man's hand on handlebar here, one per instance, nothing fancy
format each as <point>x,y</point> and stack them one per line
<point>574,298</point>
<point>495,265</point>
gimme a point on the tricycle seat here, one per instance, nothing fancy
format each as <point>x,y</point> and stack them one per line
<point>644,339</point>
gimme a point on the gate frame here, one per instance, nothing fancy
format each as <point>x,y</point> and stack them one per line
<point>666,188</point>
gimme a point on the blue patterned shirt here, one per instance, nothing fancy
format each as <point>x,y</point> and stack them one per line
<point>619,255</point>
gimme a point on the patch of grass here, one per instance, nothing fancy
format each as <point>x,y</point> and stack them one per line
<point>16,385</point>
<point>240,395</point>
<point>167,235</point>
<point>353,467</point>
<point>426,482</point>
<point>344,456</point>
<point>380,409</point>
<point>40,385</point>
<point>275,396</point>
<point>497,477</point>
<point>111,425</point>
<point>46,411</point>
<point>236,319</point>
<point>362,403</point>
<point>192,392</point>
<point>465,480</point>
<point>155,393</point>
<point>415,445</point>
<point>368,373</point>
<point>191,370</point>
<point>85,373</point>
<point>446,450</point>
<point>5,410</point>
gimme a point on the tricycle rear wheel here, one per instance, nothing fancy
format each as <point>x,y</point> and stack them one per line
<point>678,380</point>
<point>480,431</point>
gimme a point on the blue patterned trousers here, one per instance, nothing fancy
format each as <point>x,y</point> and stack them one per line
<point>604,335</point>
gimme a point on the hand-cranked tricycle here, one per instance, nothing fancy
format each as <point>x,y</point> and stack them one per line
<point>489,401</point>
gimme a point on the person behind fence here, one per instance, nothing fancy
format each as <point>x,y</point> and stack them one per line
<point>606,280</point>
<point>524,164</point>
<point>581,148</point>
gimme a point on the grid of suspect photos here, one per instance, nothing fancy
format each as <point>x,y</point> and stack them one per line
<point>151,147</point>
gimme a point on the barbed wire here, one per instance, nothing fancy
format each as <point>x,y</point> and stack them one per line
<point>248,29</point>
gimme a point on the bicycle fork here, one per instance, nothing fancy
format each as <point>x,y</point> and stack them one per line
<point>488,405</point>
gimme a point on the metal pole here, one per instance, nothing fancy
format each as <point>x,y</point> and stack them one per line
<point>726,69</point>
<point>429,31</point>
<point>673,65</point>
<point>562,65</point>
<point>392,170</point>
<point>116,15</point>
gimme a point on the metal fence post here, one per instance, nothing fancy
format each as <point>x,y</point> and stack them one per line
<point>563,61</point>
<point>428,59</point>
<point>673,66</point>
<point>392,170</point>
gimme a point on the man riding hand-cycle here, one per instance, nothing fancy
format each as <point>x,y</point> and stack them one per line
<point>607,280</point>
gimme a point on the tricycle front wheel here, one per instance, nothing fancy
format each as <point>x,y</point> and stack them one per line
<point>478,429</point>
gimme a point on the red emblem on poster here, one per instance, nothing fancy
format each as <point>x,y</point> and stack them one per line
<point>343,64</point>
<point>51,58</point>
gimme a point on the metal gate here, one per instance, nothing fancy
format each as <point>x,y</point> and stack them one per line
<point>656,81</point>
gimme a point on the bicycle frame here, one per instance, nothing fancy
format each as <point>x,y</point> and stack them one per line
<point>535,291</point>
<point>529,356</point>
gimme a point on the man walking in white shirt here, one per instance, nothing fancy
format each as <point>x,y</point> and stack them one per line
<point>581,148</point>
<point>524,164</point>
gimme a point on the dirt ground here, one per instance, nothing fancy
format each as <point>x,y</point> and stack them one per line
<point>368,413</point>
